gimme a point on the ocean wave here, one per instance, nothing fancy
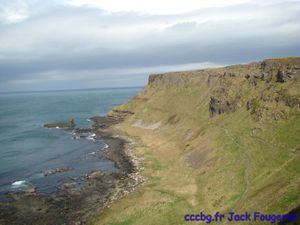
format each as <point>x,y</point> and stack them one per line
<point>105,146</point>
<point>75,137</point>
<point>91,137</point>
<point>19,184</point>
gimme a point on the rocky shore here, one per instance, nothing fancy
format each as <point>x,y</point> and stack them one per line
<point>79,198</point>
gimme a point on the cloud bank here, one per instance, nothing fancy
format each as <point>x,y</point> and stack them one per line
<point>61,44</point>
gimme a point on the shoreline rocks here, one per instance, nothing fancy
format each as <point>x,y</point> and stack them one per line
<point>78,199</point>
<point>56,170</point>
<point>62,125</point>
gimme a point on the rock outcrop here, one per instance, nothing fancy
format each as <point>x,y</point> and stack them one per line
<point>219,106</point>
<point>226,84</point>
<point>278,70</point>
<point>62,125</point>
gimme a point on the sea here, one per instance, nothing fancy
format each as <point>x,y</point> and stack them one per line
<point>30,154</point>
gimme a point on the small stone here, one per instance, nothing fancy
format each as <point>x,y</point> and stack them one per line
<point>95,175</point>
<point>29,190</point>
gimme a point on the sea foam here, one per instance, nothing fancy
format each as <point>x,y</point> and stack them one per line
<point>19,183</point>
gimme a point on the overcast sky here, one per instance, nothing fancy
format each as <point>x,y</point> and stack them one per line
<point>69,44</point>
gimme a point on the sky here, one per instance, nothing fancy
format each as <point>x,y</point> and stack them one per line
<point>76,44</point>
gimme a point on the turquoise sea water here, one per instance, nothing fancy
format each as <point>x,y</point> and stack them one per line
<point>27,149</point>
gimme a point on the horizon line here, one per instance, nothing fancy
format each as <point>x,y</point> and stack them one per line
<point>65,90</point>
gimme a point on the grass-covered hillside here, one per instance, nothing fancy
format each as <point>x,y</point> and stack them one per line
<point>225,139</point>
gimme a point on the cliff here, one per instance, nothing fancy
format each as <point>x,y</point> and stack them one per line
<point>227,86</point>
<point>224,139</point>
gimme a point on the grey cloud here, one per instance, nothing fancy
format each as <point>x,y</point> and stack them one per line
<point>57,37</point>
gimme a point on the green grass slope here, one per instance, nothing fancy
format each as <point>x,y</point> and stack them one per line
<point>225,139</point>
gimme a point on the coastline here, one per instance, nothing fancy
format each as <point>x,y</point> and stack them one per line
<point>204,137</point>
<point>79,199</point>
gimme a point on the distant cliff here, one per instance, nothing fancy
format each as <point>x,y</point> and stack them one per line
<point>277,69</point>
<point>223,81</point>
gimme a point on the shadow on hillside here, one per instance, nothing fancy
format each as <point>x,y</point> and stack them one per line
<point>294,211</point>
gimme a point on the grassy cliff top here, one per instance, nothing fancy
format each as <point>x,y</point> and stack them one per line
<point>225,139</point>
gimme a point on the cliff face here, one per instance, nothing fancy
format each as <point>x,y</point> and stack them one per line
<point>228,84</point>
<point>230,136</point>
<point>279,70</point>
